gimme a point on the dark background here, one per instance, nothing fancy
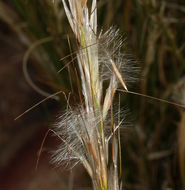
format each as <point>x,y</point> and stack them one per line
<point>153,148</point>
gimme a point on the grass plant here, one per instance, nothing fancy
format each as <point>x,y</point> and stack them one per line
<point>154,147</point>
<point>88,134</point>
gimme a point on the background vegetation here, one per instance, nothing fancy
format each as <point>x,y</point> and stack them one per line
<point>154,147</point>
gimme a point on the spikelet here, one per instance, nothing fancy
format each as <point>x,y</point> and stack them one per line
<point>110,47</point>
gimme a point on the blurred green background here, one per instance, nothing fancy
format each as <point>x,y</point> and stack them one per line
<point>34,37</point>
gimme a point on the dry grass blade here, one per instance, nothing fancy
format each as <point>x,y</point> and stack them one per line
<point>25,70</point>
